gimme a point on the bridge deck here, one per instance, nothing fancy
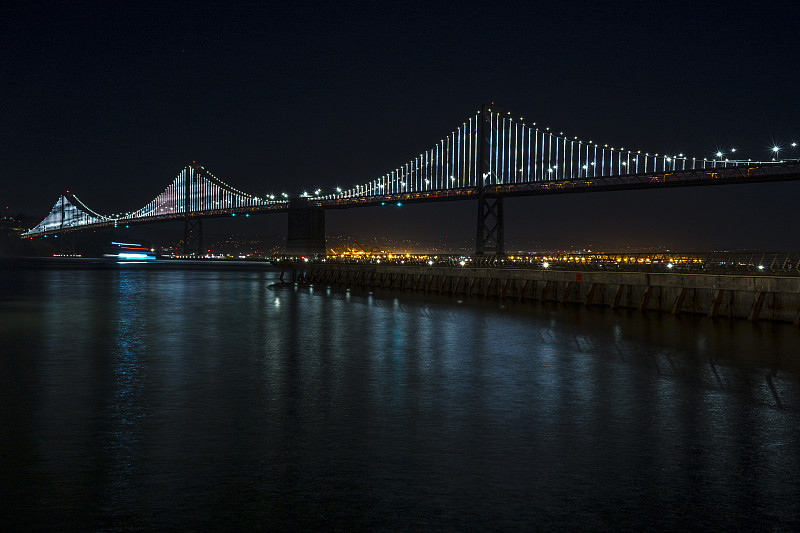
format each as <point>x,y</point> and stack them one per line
<point>740,174</point>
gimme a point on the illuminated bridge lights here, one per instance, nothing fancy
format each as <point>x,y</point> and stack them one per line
<point>519,159</point>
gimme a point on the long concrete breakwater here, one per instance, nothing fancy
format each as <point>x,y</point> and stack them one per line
<point>751,297</point>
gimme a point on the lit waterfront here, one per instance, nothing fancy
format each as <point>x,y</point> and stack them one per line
<point>746,262</point>
<point>155,396</point>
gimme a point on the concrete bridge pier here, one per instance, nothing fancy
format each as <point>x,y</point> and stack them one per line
<point>193,237</point>
<point>306,232</point>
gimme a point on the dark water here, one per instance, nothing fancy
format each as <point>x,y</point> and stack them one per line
<point>163,398</point>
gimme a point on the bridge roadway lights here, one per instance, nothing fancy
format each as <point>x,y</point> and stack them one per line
<point>306,231</point>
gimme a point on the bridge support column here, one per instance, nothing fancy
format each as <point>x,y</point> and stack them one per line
<point>193,237</point>
<point>66,243</point>
<point>490,237</point>
<point>306,232</point>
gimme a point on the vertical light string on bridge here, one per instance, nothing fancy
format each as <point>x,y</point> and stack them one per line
<point>517,153</point>
<point>195,190</point>
<point>206,193</point>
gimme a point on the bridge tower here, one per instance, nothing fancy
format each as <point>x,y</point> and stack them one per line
<point>489,238</point>
<point>306,232</point>
<point>193,229</point>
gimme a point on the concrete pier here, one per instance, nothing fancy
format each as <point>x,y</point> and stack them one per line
<point>752,297</point>
<point>306,231</point>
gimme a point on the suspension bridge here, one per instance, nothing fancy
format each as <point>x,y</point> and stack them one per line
<point>490,156</point>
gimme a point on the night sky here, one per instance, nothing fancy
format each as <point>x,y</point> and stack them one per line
<point>111,102</point>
